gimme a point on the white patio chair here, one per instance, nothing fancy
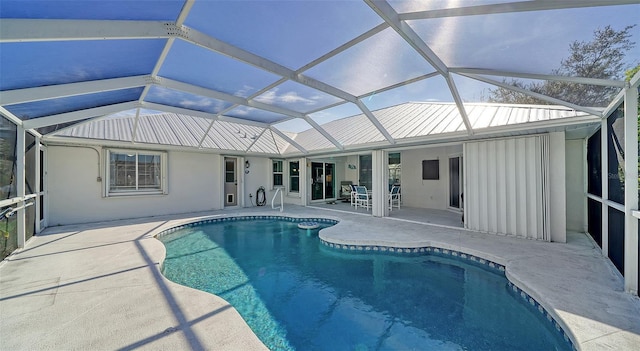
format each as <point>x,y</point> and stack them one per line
<point>394,197</point>
<point>362,197</point>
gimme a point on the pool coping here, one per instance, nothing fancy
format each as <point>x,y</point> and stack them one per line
<point>550,317</point>
<point>571,331</point>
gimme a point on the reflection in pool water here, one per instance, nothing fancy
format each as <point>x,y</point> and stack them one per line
<point>296,293</point>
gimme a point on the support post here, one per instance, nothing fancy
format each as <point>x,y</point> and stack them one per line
<point>379,180</point>
<point>604,156</point>
<point>20,186</point>
<point>37,184</point>
<point>631,189</point>
<point>303,181</point>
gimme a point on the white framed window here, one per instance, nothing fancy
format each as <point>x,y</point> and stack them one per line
<point>294,176</point>
<point>136,172</point>
<point>277,175</point>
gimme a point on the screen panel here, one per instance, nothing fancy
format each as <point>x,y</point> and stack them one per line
<point>594,164</point>
<point>50,107</point>
<point>33,64</point>
<point>192,64</point>
<point>170,97</point>
<point>296,97</point>
<point>291,33</point>
<point>531,41</point>
<point>254,114</point>
<point>615,156</point>
<point>372,65</point>
<point>148,10</point>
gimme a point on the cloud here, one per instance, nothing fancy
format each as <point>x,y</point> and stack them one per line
<point>199,102</point>
<point>245,91</point>
<point>271,97</point>
<point>241,111</point>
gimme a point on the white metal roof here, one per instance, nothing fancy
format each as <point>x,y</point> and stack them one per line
<point>406,123</point>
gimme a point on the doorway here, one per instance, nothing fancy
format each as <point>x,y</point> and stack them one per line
<point>365,174</point>
<point>323,181</point>
<point>230,181</point>
<point>455,182</point>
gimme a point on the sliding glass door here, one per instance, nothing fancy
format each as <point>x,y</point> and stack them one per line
<point>323,181</point>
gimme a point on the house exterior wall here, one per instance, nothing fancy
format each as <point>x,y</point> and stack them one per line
<point>75,195</point>
<point>433,194</point>
<point>575,182</point>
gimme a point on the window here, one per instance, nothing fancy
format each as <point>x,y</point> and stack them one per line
<point>294,177</point>
<point>136,172</point>
<point>278,174</point>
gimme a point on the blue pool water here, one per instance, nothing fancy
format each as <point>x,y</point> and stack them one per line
<point>297,294</point>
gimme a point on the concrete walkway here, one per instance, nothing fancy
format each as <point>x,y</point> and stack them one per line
<point>98,286</point>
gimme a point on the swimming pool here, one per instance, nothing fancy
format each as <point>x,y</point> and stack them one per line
<point>296,293</point>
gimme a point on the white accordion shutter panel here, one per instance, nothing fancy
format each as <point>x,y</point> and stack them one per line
<point>506,186</point>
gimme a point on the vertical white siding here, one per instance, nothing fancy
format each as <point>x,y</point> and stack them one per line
<point>507,186</point>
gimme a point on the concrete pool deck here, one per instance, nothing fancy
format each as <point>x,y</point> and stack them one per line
<point>98,286</point>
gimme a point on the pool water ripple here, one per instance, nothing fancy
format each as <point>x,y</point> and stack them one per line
<point>299,294</point>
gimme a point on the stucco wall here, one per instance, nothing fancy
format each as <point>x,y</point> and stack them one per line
<point>75,195</point>
<point>575,179</point>
<point>426,193</point>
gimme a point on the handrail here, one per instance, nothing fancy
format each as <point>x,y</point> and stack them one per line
<point>9,212</point>
<point>273,200</point>
<point>15,200</point>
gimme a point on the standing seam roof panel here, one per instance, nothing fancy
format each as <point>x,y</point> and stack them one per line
<point>405,119</point>
<point>265,143</point>
<point>162,129</point>
<point>432,120</point>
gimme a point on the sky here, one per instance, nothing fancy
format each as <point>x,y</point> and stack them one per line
<point>294,33</point>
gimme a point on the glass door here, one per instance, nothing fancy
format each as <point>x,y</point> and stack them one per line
<point>329,181</point>
<point>230,182</point>
<point>455,182</point>
<point>366,171</point>
<point>317,184</point>
<point>323,181</point>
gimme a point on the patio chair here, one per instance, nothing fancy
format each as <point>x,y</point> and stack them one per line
<point>346,189</point>
<point>394,197</point>
<point>353,195</point>
<point>362,197</point>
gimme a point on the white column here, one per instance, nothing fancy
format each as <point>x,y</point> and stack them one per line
<point>604,156</point>
<point>585,187</point>
<point>631,189</point>
<point>379,180</point>
<point>240,180</point>
<point>37,189</point>
<point>303,180</point>
<point>558,187</point>
<point>20,185</point>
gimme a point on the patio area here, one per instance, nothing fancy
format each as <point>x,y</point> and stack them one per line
<point>98,285</point>
<point>447,218</point>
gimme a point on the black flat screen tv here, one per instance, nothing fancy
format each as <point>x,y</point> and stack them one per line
<point>430,169</point>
